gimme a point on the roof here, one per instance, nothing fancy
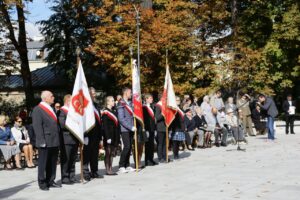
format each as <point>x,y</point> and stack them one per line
<point>46,77</point>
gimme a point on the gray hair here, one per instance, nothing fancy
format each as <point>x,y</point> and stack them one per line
<point>206,98</point>
<point>45,94</point>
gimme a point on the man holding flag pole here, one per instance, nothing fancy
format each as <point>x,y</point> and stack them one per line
<point>81,118</point>
<point>168,104</point>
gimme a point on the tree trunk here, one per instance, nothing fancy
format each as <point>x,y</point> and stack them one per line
<point>25,69</point>
<point>21,47</point>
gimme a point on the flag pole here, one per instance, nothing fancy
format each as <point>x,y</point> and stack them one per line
<point>78,51</point>
<point>136,147</point>
<point>167,127</point>
<point>134,123</point>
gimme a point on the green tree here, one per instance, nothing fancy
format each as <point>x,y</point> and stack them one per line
<point>19,43</point>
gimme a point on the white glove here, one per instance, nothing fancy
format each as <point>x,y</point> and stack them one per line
<point>86,141</point>
<point>109,141</point>
<point>133,129</point>
<point>43,145</point>
<point>155,133</point>
<point>147,134</point>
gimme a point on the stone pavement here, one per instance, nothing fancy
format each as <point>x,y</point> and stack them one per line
<point>267,170</point>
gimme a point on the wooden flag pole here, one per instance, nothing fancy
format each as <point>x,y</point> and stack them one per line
<point>167,128</point>
<point>136,146</point>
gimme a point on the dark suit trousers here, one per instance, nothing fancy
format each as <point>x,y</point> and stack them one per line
<point>149,147</point>
<point>127,139</point>
<point>161,147</point>
<point>289,123</point>
<point>68,159</point>
<point>90,155</point>
<point>47,163</point>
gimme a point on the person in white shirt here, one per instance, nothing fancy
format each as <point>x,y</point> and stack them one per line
<point>23,141</point>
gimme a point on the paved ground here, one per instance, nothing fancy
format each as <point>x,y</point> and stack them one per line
<point>267,170</point>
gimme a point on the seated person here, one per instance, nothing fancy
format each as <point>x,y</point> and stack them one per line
<point>8,145</point>
<point>21,136</point>
<point>232,124</point>
<point>204,134</point>
<point>190,128</point>
<point>220,131</point>
<point>259,120</point>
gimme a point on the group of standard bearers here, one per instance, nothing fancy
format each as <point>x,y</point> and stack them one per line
<point>113,124</point>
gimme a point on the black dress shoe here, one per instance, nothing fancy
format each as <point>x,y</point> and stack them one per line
<point>75,181</point>
<point>96,175</point>
<point>217,144</point>
<point>153,162</point>
<point>44,188</point>
<point>223,145</point>
<point>293,133</point>
<point>67,182</point>
<point>87,178</point>
<point>54,185</point>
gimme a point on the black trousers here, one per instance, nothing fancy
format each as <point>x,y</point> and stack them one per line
<point>161,146</point>
<point>90,155</point>
<point>176,148</point>
<point>127,138</point>
<point>149,147</point>
<point>289,123</point>
<point>47,165</point>
<point>68,155</point>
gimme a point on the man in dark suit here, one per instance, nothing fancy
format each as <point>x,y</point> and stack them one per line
<point>289,107</point>
<point>150,127</point>
<point>91,146</point>
<point>68,147</point>
<point>161,134</point>
<point>46,129</point>
<point>268,104</point>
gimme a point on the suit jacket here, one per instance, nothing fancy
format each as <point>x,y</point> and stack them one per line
<point>46,129</point>
<point>111,128</point>
<point>125,116</point>
<point>270,107</point>
<point>286,106</point>
<point>67,137</point>
<point>95,134</point>
<point>149,119</point>
<point>160,120</point>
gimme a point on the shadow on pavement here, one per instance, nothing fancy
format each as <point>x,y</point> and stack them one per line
<point>4,194</point>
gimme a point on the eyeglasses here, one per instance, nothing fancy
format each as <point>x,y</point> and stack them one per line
<point>19,121</point>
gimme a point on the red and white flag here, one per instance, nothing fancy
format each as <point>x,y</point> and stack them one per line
<point>168,100</point>
<point>136,93</point>
<point>80,118</point>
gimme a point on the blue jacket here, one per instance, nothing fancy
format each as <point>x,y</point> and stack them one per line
<point>125,116</point>
<point>5,136</point>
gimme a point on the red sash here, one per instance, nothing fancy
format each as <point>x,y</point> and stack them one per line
<point>65,109</point>
<point>150,111</point>
<point>97,115</point>
<point>127,108</point>
<point>51,114</point>
<point>111,116</point>
<point>181,113</point>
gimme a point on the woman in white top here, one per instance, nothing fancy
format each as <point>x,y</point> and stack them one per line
<point>23,141</point>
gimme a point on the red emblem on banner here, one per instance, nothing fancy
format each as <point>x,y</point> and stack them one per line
<point>79,102</point>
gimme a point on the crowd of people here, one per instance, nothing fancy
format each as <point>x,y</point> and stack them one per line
<point>196,125</point>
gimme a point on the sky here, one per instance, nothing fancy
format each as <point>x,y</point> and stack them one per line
<point>39,10</point>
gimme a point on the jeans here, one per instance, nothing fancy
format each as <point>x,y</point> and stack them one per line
<point>271,131</point>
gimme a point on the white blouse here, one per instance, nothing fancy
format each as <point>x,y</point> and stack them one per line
<point>18,135</point>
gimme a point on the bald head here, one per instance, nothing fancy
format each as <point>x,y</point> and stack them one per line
<point>47,97</point>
